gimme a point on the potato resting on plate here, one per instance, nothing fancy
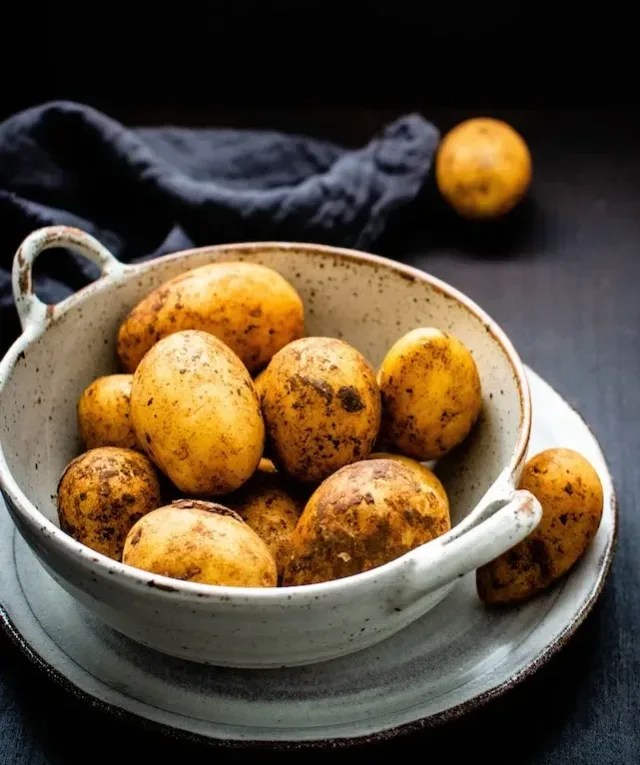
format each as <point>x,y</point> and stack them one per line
<point>570,492</point>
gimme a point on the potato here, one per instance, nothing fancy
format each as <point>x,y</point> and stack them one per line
<point>431,393</point>
<point>483,168</point>
<point>102,493</point>
<point>196,413</point>
<point>321,406</point>
<point>423,473</point>
<point>259,382</point>
<point>266,466</point>
<point>570,492</point>
<point>198,541</point>
<point>250,307</point>
<point>104,411</point>
<point>271,506</point>
<point>364,515</point>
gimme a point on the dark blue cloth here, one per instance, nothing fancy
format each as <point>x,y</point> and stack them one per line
<point>147,192</point>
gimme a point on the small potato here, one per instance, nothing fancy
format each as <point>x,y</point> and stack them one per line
<point>202,542</point>
<point>570,492</point>
<point>266,466</point>
<point>104,410</point>
<point>483,168</point>
<point>102,493</point>
<point>250,307</point>
<point>321,406</point>
<point>196,413</point>
<point>364,515</point>
<point>422,472</point>
<point>271,507</point>
<point>431,394</point>
<point>259,382</point>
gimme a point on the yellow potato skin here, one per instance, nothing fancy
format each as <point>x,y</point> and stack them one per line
<point>266,466</point>
<point>102,493</point>
<point>259,382</point>
<point>196,413</point>
<point>483,168</point>
<point>570,492</point>
<point>271,507</point>
<point>104,413</point>
<point>250,307</point>
<point>364,515</point>
<point>197,541</point>
<point>431,393</point>
<point>321,406</point>
<point>421,471</point>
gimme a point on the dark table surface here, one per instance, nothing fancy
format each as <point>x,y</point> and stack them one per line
<point>562,276</point>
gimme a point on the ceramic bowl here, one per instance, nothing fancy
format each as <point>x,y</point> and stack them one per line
<point>364,299</point>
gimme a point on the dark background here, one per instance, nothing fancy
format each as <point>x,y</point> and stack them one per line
<point>560,274</point>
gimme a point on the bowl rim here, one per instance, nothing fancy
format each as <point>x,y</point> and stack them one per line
<point>164,586</point>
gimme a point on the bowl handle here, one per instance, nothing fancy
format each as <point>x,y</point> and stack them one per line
<point>33,313</point>
<point>460,551</point>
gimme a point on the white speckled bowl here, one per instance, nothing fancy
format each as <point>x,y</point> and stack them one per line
<point>368,301</point>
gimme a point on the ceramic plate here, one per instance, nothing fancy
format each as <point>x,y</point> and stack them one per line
<point>455,658</point>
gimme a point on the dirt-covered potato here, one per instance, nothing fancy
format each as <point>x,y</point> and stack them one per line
<point>102,493</point>
<point>421,471</point>
<point>104,413</point>
<point>202,542</point>
<point>570,492</point>
<point>271,506</point>
<point>364,515</point>
<point>431,393</point>
<point>196,413</point>
<point>321,406</point>
<point>250,307</point>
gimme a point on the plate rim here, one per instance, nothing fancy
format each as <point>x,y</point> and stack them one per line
<point>432,721</point>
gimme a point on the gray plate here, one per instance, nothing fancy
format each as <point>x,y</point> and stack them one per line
<point>455,658</point>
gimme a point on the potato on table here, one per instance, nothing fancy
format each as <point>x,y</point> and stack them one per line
<point>570,492</point>
<point>198,541</point>
<point>250,307</point>
<point>196,413</point>
<point>321,405</point>
<point>364,515</point>
<point>431,393</point>
<point>104,413</point>
<point>102,493</point>
<point>483,168</point>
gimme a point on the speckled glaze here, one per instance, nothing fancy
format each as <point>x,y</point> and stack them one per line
<point>364,299</point>
<point>455,658</point>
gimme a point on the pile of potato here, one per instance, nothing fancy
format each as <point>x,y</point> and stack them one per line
<point>234,450</point>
